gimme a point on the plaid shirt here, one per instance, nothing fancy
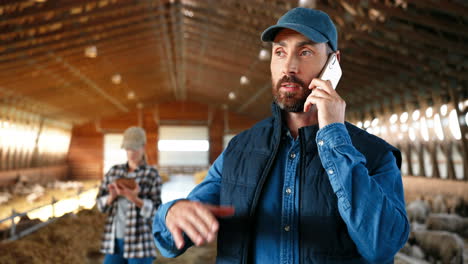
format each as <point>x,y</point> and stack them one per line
<point>138,240</point>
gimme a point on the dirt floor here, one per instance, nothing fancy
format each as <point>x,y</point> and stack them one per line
<point>70,239</point>
<point>75,239</point>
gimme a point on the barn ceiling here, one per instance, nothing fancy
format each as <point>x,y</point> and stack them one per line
<point>81,60</point>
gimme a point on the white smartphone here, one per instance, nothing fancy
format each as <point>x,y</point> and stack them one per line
<point>332,70</point>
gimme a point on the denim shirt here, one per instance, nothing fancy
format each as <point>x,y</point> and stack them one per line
<point>276,229</point>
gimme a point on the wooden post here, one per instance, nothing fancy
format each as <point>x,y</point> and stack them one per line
<point>463,129</point>
<point>13,224</point>
<point>422,170</point>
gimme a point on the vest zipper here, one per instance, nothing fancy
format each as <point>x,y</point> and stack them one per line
<point>259,188</point>
<point>301,186</point>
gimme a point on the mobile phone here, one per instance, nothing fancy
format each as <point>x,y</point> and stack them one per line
<point>331,71</point>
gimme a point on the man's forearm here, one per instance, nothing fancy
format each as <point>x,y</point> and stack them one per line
<point>372,206</point>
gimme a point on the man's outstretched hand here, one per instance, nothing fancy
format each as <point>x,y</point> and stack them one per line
<point>197,220</point>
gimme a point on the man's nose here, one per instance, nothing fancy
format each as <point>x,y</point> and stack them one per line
<point>291,66</point>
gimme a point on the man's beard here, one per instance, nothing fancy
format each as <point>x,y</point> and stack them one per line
<point>291,101</point>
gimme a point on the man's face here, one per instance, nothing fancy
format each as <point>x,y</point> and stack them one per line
<point>295,61</point>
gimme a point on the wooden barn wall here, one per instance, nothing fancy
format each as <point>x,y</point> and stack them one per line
<point>86,154</point>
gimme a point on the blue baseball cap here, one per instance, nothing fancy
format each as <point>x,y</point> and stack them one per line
<point>314,24</point>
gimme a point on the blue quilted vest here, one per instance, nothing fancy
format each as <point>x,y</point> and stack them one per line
<point>247,164</point>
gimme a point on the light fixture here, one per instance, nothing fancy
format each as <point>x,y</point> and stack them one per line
<point>359,124</point>
<point>453,125</point>
<point>91,51</point>
<point>393,118</point>
<point>416,114</point>
<point>375,122</point>
<point>244,80</point>
<point>404,117</point>
<point>187,12</point>
<point>131,95</point>
<point>232,96</point>
<point>308,3</point>
<point>116,78</point>
<point>264,55</point>
<point>443,110</point>
<point>429,112</point>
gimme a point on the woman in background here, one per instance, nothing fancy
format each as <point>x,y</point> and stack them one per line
<point>130,194</point>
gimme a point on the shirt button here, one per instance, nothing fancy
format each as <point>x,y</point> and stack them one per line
<point>330,171</point>
<point>292,155</point>
<point>287,228</point>
<point>320,143</point>
<point>288,190</point>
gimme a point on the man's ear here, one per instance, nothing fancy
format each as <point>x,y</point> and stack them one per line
<point>338,55</point>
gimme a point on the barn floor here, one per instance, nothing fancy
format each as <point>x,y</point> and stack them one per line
<point>58,242</point>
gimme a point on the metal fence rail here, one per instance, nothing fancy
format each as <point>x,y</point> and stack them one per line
<point>13,234</point>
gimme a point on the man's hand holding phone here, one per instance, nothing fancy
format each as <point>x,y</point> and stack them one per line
<point>330,106</point>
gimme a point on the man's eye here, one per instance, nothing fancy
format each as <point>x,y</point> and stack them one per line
<point>279,53</point>
<point>306,53</point>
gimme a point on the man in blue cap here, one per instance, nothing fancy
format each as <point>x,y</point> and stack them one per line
<point>302,186</point>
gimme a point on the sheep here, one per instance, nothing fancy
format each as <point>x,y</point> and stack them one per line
<point>460,207</point>
<point>4,197</point>
<point>417,252</point>
<point>443,245</point>
<point>401,258</point>
<point>418,211</point>
<point>66,185</point>
<point>415,226</point>
<point>448,222</point>
<point>36,193</point>
<point>439,204</point>
<point>413,251</point>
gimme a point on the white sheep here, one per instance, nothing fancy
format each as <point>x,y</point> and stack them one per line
<point>439,205</point>
<point>418,211</point>
<point>415,226</point>
<point>402,258</point>
<point>448,222</point>
<point>4,197</point>
<point>443,245</point>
